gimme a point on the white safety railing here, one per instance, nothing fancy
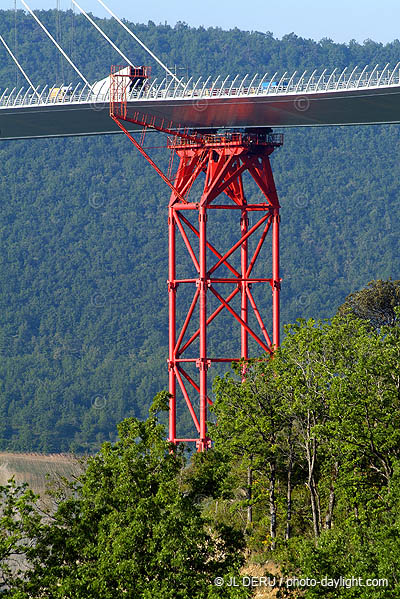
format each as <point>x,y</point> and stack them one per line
<point>299,83</point>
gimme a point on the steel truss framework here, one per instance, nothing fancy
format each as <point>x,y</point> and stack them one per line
<point>223,160</point>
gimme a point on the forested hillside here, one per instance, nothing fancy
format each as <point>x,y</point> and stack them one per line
<point>83,324</point>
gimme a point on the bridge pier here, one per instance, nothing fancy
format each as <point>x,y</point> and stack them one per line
<point>222,160</point>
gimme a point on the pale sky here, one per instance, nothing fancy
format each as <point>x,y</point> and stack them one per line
<point>341,20</point>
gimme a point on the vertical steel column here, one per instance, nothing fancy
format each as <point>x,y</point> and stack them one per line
<point>172,322</point>
<point>244,225</point>
<point>276,282</point>
<point>202,362</point>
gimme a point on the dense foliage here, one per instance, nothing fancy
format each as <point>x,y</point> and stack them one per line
<point>313,437</point>
<point>83,325</point>
<point>125,528</point>
<point>376,303</point>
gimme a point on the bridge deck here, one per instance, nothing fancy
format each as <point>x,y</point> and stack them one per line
<point>314,101</point>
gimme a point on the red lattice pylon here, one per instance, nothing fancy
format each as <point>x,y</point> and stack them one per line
<point>224,160</point>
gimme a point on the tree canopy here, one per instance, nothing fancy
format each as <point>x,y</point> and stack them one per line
<point>125,528</point>
<point>376,303</point>
<point>319,426</point>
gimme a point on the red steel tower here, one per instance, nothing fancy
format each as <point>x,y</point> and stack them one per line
<point>221,160</point>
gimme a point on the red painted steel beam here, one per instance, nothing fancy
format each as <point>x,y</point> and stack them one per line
<point>209,320</point>
<point>239,243</point>
<point>149,160</point>
<point>194,385</point>
<point>210,247</point>
<point>172,324</point>
<point>240,321</point>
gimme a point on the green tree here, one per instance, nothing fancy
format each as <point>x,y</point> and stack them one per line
<point>128,529</point>
<point>358,459</point>
<point>254,429</point>
<point>333,389</point>
<point>20,526</point>
<point>375,303</point>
